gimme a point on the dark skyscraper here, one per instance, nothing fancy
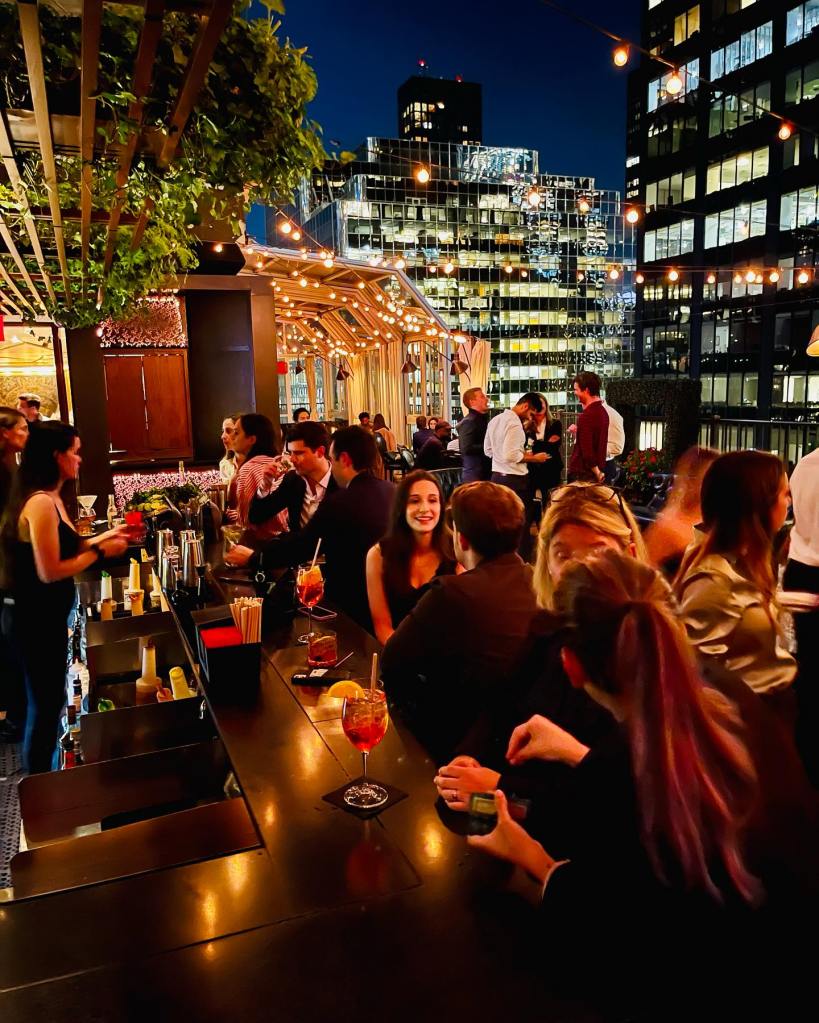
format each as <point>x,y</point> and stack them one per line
<point>440,110</point>
<point>728,245</point>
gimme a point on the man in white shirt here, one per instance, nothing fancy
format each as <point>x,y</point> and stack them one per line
<point>802,574</point>
<point>616,441</point>
<point>505,444</point>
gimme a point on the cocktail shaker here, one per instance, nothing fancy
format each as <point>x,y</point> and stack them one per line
<point>192,556</point>
<point>164,539</point>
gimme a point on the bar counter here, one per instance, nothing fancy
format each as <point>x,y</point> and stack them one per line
<point>322,916</point>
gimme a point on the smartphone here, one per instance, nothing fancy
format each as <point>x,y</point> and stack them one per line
<point>323,614</point>
<point>482,805</point>
<point>319,677</point>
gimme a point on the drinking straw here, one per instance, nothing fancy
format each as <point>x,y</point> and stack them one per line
<point>374,673</point>
<point>315,556</point>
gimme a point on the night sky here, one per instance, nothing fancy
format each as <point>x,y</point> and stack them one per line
<point>548,83</point>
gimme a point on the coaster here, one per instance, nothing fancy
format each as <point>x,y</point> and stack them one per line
<point>336,798</point>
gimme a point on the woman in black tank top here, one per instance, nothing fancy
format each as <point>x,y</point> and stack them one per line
<point>41,554</point>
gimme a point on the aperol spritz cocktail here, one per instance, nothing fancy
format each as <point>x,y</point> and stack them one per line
<point>309,591</point>
<point>364,719</point>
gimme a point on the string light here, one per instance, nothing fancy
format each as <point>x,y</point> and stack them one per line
<point>673,275</point>
<point>508,268</point>
<point>620,56</point>
<point>803,277</point>
<point>737,278</point>
<point>632,215</point>
<point>639,278</point>
<point>361,285</point>
<point>328,262</point>
<point>524,273</point>
<point>296,235</point>
<point>583,205</point>
<point>399,265</point>
<point>533,198</point>
<point>711,278</point>
<point>785,131</point>
<point>448,267</point>
<point>773,276</point>
<point>303,282</point>
<point>750,276</point>
<point>285,226</point>
<point>614,273</point>
<point>422,175</point>
<point>218,247</point>
<point>674,85</point>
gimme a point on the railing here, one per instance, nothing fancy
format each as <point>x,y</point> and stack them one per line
<point>787,439</point>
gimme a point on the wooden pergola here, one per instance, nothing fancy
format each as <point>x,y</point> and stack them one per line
<point>22,290</point>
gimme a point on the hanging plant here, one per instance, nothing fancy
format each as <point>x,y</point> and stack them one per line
<point>248,140</point>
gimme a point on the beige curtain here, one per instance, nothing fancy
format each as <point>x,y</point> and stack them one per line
<point>378,386</point>
<point>310,378</point>
<point>476,355</point>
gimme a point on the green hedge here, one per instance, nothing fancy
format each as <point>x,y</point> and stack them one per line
<point>676,401</point>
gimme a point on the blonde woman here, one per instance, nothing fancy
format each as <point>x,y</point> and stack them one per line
<point>582,521</point>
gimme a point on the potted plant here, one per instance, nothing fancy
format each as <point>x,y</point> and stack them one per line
<point>641,471</point>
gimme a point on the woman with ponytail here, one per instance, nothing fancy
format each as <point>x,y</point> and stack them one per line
<point>726,584</point>
<point>664,834</point>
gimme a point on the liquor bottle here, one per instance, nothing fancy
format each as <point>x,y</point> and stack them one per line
<point>68,755</point>
<point>112,510</point>
<point>77,694</point>
<point>72,728</point>
<point>181,472</point>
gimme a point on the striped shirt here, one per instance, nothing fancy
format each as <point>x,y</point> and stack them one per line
<point>248,480</point>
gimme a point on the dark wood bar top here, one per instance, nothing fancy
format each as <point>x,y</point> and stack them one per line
<point>332,917</point>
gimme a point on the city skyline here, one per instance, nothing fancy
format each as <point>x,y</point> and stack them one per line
<point>548,83</point>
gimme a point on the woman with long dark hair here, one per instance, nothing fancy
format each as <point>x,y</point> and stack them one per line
<point>13,437</point>
<point>255,440</point>
<point>663,834</point>
<point>726,584</point>
<point>41,553</point>
<point>417,549</point>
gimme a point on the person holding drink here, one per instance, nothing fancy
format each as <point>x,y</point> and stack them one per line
<point>41,553</point>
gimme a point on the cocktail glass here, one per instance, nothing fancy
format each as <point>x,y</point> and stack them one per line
<point>364,720</point>
<point>309,590</point>
<point>85,522</point>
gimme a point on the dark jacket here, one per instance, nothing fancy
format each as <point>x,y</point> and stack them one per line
<point>290,495</point>
<point>453,656</point>
<point>471,433</point>
<point>544,476</point>
<point>590,443</point>
<point>349,521</point>
<point>432,455</point>
<point>420,437</point>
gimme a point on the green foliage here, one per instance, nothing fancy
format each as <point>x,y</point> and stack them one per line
<point>247,140</point>
<point>677,401</point>
<point>641,467</point>
<point>155,500</point>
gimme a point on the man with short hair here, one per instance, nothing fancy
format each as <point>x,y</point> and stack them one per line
<point>421,435</point>
<point>471,435</point>
<point>301,490</point>
<point>505,444</point>
<point>29,405</point>
<point>348,521</point>
<point>364,421</point>
<point>431,456</point>
<point>588,457</point>
<point>301,415</point>
<point>451,657</point>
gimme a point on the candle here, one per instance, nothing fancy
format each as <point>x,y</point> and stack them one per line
<point>134,581</point>
<point>106,593</point>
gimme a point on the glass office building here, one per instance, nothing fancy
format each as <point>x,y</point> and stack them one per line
<point>538,265</point>
<point>730,203</point>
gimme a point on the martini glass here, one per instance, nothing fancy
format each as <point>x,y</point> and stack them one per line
<point>85,525</point>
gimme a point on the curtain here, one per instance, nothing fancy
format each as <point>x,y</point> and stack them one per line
<point>310,378</point>
<point>476,355</point>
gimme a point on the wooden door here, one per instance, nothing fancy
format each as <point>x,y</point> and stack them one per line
<point>126,404</point>
<point>166,395</point>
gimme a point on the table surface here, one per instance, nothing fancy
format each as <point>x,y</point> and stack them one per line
<point>330,918</point>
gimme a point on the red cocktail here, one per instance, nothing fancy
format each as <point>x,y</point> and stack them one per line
<point>365,719</point>
<point>309,591</point>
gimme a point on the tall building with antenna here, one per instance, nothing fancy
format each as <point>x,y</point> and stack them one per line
<point>538,265</point>
<point>723,158</point>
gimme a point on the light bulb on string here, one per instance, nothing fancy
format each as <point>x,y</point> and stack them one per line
<point>508,268</point>
<point>448,267</point>
<point>296,235</point>
<point>422,175</point>
<point>737,278</point>
<point>285,226</point>
<point>524,273</point>
<point>673,275</point>
<point>773,276</point>
<point>803,277</point>
<point>218,247</point>
<point>750,276</point>
<point>711,278</point>
<point>785,131</point>
<point>303,282</point>
<point>620,56</point>
<point>674,85</point>
<point>432,269</point>
<point>360,285</point>
<point>583,205</point>
<point>632,215</point>
<point>758,279</point>
<point>533,198</point>
<point>639,278</point>
<point>399,265</point>
<point>614,274</point>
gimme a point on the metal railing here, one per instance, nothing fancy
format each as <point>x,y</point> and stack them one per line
<point>789,440</point>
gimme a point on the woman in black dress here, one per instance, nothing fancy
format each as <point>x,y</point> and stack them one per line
<point>417,549</point>
<point>13,437</point>
<point>41,553</point>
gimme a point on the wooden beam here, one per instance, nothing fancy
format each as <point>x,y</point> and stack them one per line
<point>89,60</point>
<point>210,32</point>
<point>143,72</point>
<point>15,290</point>
<point>30,29</point>
<point>13,171</point>
<point>11,245</point>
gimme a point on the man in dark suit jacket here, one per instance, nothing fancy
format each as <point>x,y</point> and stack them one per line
<point>433,455</point>
<point>303,489</point>
<point>421,435</point>
<point>471,433</point>
<point>452,657</point>
<point>348,521</point>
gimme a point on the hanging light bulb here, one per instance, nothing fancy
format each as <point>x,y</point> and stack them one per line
<point>737,278</point>
<point>360,285</point>
<point>773,276</point>
<point>583,205</point>
<point>296,235</point>
<point>639,278</point>
<point>285,226</point>
<point>508,268</point>
<point>674,85</point>
<point>533,198</point>
<point>711,278</point>
<point>332,295</point>
<point>785,131</point>
<point>803,277</point>
<point>448,267</point>
<point>303,282</point>
<point>328,262</point>
<point>620,56</point>
<point>750,276</point>
<point>422,175</point>
<point>632,215</point>
<point>433,269</point>
<point>673,275</point>
<point>400,263</point>
<point>614,274</point>
<point>218,247</point>
<point>524,273</point>
<point>758,279</point>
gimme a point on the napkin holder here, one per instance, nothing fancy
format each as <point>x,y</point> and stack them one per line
<point>231,669</point>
